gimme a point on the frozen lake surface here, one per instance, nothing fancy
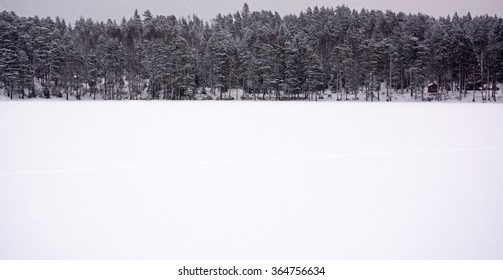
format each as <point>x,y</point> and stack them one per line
<point>250,180</point>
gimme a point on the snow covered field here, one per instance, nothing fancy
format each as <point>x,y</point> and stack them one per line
<point>250,180</point>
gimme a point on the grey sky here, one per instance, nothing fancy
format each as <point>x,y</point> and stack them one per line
<point>104,9</point>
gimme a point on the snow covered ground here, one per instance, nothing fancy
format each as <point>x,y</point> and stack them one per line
<point>238,94</point>
<point>250,180</point>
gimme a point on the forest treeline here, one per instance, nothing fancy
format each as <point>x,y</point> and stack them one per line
<point>338,50</point>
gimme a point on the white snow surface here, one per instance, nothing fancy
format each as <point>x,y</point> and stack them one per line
<point>250,180</point>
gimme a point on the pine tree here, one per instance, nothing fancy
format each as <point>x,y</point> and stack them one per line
<point>292,70</point>
<point>92,69</point>
<point>220,50</point>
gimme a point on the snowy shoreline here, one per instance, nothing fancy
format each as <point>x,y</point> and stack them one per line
<point>240,96</point>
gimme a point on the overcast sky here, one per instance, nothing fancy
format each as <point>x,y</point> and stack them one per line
<point>116,9</point>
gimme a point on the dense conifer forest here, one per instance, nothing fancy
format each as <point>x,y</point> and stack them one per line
<point>323,52</point>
